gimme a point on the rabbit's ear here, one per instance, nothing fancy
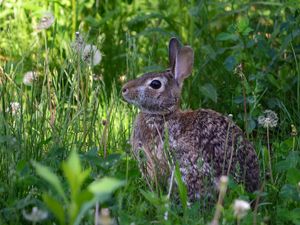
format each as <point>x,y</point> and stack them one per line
<point>184,63</point>
<point>174,46</point>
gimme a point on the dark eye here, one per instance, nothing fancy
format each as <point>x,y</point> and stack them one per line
<point>155,84</point>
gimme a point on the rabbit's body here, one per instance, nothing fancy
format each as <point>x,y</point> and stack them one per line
<point>204,143</point>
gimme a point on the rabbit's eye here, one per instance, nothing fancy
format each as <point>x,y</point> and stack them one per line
<point>155,84</point>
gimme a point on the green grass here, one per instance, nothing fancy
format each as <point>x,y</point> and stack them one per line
<point>73,105</point>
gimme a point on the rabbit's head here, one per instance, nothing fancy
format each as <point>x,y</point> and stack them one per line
<point>159,92</point>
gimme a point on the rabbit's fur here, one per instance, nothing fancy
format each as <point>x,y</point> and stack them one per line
<point>205,143</point>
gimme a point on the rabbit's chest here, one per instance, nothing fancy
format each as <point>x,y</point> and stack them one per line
<point>150,138</point>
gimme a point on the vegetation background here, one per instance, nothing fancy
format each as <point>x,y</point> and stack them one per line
<point>247,60</point>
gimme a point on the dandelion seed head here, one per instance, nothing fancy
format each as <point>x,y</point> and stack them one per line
<point>36,215</point>
<point>91,55</point>
<point>29,77</point>
<point>122,78</point>
<point>224,180</point>
<point>78,44</point>
<point>240,208</point>
<point>268,119</point>
<point>14,108</point>
<point>222,183</point>
<point>46,21</point>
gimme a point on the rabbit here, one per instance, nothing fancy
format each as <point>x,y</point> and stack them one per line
<point>205,143</point>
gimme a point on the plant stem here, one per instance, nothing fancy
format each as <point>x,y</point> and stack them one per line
<point>219,206</point>
<point>245,109</point>
<point>269,155</point>
<point>97,214</point>
<point>256,204</point>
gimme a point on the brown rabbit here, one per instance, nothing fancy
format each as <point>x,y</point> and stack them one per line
<point>205,143</point>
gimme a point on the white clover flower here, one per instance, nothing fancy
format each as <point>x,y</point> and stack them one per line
<point>36,215</point>
<point>241,208</point>
<point>14,108</point>
<point>29,77</point>
<point>268,119</point>
<point>166,215</point>
<point>46,21</point>
<point>91,55</point>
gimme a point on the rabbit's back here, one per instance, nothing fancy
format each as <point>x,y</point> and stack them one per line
<point>216,145</point>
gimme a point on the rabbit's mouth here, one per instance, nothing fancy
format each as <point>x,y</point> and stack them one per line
<point>130,99</point>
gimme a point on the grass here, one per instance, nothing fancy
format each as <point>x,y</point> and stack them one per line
<point>75,105</point>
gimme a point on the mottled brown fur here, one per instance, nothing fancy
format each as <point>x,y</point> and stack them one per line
<point>205,143</point>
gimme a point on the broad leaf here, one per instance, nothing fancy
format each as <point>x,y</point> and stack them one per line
<point>227,36</point>
<point>209,91</point>
<point>56,208</point>
<point>50,177</point>
<point>105,185</point>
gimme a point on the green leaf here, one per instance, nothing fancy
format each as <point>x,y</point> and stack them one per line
<point>290,162</point>
<point>151,197</point>
<point>289,192</point>
<point>243,24</point>
<point>227,36</point>
<point>209,91</point>
<point>88,205</point>
<point>84,196</point>
<point>50,177</point>
<point>181,188</point>
<point>247,31</point>
<point>105,185</point>
<point>101,190</point>
<point>73,173</point>
<point>55,207</point>
<point>230,63</point>
<point>295,216</point>
<point>73,162</point>
<point>293,176</point>
<point>209,51</point>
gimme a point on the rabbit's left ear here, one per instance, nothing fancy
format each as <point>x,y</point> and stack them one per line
<point>174,47</point>
<point>184,63</point>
